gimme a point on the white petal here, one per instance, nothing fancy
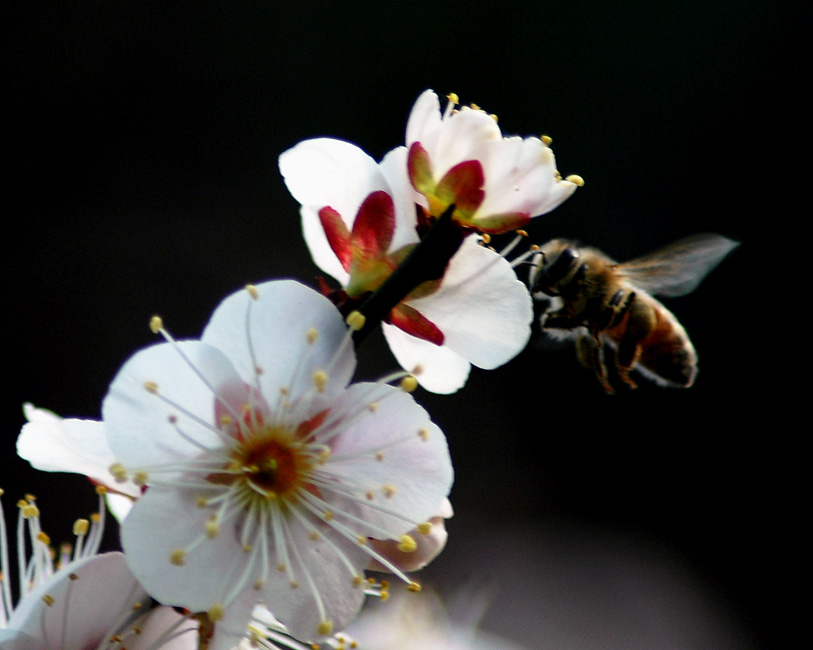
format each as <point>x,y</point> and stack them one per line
<point>483,310</point>
<point>164,520</point>
<point>442,371</point>
<point>395,457</point>
<point>80,446</point>
<point>424,122</point>
<point>161,404</point>
<point>156,623</point>
<point>404,197</point>
<point>461,138</point>
<point>325,172</point>
<point>272,333</point>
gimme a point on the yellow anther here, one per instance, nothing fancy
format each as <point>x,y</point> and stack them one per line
<point>355,320</point>
<point>2,492</point>
<point>358,581</point>
<point>407,544</point>
<point>312,335</point>
<point>409,384</point>
<point>73,576</point>
<point>452,97</point>
<point>140,478</point>
<point>320,378</point>
<point>95,518</point>
<point>252,291</point>
<point>258,584</point>
<point>546,140</point>
<point>202,502</point>
<point>151,387</point>
<point>494,117</point>
<point>178,557</point>
<point>48,599</point>
<point>575,179</point>
<point>486,238</point>
<point>327,515</point>
<point>118,471</point>
<point>522,233</point>
<point>81,527</point>
<point>101,490</point>
<point>475,107</point>
<point>325,628</point>
<point>423,434</point>
<point>379,456</point>
<point>43,537</point>
<point>425,528</point>
<point>388,490</point>
<point>156,324</point>
<point>414,587</point>
<point>215,612</point>
<point>212,529</point>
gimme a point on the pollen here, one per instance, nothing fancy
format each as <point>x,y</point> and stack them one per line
<point>356,320</point>
<point>216,612</point>
<point>320,378</point>
<point>119,472</point>
<point>312,335</point>
<point>423,434</point>
<point>409,384</point>
<point>151,387</point>
<point>407,544</point>
<point>252,291</point>
<point>156,324</point>
<point>575,179</point>
<point>178,557</point>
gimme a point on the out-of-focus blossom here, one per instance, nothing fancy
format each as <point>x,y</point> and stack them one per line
<point>53,444</point>
<point>266,473</point>
<point>408,621</point>
<point>496,183</point>
<point>96,603</point>
<point>360,223</point>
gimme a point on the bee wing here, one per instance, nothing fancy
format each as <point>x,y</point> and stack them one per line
<point>678,268</point>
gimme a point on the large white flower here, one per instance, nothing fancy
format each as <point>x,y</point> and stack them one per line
<point>359,221</point>
<point>496,183</point>
<point>266,473</point>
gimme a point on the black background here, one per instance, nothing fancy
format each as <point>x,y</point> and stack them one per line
<point>141,146</point>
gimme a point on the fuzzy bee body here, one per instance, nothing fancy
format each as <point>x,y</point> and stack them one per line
<point>600,301</point>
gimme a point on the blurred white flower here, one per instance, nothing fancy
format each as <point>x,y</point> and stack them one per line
<point>266,473</point>
<point>360,223</point>
<point>496,183</point>
<point>53,444</point>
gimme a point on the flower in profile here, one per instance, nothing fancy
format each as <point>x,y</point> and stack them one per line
<point>460,158</point>
<point>53,444</point>
<point>267,474</point>
<point>360,223</point>
<point>95,602</point>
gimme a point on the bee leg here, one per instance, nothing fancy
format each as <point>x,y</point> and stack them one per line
<point>640,324</point>
<point>590,353</point>
<point>561,320</point>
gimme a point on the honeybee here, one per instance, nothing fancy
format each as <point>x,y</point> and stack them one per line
<point>598,301</point>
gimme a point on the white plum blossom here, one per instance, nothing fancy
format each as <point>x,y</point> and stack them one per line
<point>53,444</point>
<point>359,221</point>
<point>267,474</point>
<point>496,183</point>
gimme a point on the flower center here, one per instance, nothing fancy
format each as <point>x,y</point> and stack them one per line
<point>269,465</point>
